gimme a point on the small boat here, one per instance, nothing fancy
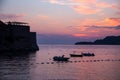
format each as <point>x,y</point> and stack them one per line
<point>60,58</point>
<point>88,54</point>
<point>76,55</point>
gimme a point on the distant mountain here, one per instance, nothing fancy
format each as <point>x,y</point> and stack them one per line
<point>109,40</point>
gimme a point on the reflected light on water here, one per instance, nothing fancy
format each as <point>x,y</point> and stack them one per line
<point>40,65</point>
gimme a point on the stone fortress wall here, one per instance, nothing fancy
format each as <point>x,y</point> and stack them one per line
<point>17,36</point>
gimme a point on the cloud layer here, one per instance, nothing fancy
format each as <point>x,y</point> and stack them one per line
<point>11,16</point>
<point>76,18</point>
<point>85,6</point>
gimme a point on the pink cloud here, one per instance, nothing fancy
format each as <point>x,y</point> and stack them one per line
<point>83,6</point>
<point>115,19</point>
<point>116,7</point>
<point>85,10</point>
<point>11,16</point>
<point>103,5</point>
<point>47,24</point>
<point>90,6</point>
<point>118,13</point>
<point>43,17</point>
<point>59,2</point>
<point>80,35</point>
<point>96,26</point>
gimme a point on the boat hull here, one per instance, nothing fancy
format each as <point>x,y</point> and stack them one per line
<point>88,54</point>
<point>60,58</point>
<point>76,55</point>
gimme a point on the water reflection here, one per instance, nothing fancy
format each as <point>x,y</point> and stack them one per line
<point>40,65</point>
<point>16,66</point>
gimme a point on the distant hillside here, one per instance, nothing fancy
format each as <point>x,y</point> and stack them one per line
<point>109,40</point>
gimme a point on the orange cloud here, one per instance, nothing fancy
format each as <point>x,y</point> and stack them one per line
<point>85,10</point>
<point>102,22</point>
<point>96,26</point>
<point>80,35</point>
<point>113,21</point>
<point>86,34</point>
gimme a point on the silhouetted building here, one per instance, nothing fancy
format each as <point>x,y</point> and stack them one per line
<point>17,36</point>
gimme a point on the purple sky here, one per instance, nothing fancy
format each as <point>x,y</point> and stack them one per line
<point>65,21</point>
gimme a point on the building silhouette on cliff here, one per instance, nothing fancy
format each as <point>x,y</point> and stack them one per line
<point>16,36</point>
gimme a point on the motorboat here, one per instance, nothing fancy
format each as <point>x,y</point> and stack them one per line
<point>76,55</point>
<point>60,58</point>
<point>88,54</point>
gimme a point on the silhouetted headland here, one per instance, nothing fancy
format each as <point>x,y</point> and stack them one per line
<point>16,36</point>
<point>109,40</point>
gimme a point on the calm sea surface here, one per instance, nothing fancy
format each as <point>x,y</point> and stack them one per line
<point>105,65</point>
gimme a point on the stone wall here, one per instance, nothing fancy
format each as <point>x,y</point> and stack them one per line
<point>17,37</point>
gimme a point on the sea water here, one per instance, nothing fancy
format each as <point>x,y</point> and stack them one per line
<point>105,65</point>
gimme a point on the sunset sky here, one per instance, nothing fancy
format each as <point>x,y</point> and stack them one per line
<point>65,21</point>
